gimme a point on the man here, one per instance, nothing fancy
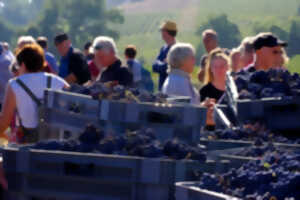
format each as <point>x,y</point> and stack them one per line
<point>73,66</point>
<point>210,41</point>
<point>268,49</point>
<point>5,74</point>
<point>43,42</point>
<point>141,77</point>
<point>89,56</point>
<point>105,52</point>
<point>160,66</point>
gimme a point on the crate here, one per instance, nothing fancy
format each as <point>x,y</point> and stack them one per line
<point>58,113</point>
<point>76,176</point>
<point>213,145</point>
<point>190,191</point>
<point>224,117</point>
<point>167,120</point>
<point>279,114</point>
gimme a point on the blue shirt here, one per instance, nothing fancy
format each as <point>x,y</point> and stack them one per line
<point>179,83</point>
<point>51,61</point>
<point>64,64</point>
<point>160,66</point>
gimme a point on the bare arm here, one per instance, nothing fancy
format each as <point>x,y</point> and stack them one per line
<point>8,109</point>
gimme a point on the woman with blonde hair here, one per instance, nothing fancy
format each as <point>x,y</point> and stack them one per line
<point>215,75</point>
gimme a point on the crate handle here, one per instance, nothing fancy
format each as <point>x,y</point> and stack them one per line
<point>160,118</point>
<point>280,108</point>
<point>74,169</point>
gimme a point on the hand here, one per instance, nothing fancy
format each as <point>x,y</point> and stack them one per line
<point>209,104</point>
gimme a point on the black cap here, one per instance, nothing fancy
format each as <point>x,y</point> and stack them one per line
<point>267,40</point>
<point>59,38</point>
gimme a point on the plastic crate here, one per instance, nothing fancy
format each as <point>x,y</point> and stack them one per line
<point>224,117</point>
<point>190,191</point>
<point>58,104</point>
<point>167,120</point>
<point>276,113</point>
<point>95,176</point>
<point>213,145</point>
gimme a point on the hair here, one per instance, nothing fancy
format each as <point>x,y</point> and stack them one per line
<point>233,53</point>
<point>179,53</point>
<point>216,53</point>
<point>104,43</point>
<point>87,45</point>
<point>172,33</point>
<point>32,55</point>
<point>210,33</point>
<point>247,46</point>
<point>130,51</point>
<point>60,37</point>
<point>42,41</point>
<point>23,40</point>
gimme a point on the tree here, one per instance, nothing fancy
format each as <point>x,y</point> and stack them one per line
<point>294,39</point>
<point>229,35</point>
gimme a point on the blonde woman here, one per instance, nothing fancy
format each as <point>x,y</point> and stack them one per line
<point>215,75</point>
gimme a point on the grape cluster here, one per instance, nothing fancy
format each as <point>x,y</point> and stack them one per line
<point>118,93</point>
<point>248,132</point>
<point>142,143</point>
<point>276,176</point>
<point>264,84</point>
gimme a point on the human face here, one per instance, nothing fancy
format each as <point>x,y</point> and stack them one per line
<point>279,57</point>
<point>165,36</point>
<point>219,68</point>
<point>104,58</point>
<point>272,56</point>
<point>189,64</point>
<point>63,47</point>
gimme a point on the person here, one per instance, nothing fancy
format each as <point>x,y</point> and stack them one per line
<point>7,50</point>
<point>31,61</point>
<point>94,69</point>
<point>215,77</point>
<point>268,50</point>
<point>247,53</point>
<point>25,39</point>
<point>168,33</point>
<point>73,65</point>
<point>141,77</point>
<point>50,58</point>
<point>5,75</point>
<point>88,55</point>
<point>210,41</point>
<point>235,60</point>
<point>181,59</point>
<point>106,57</point>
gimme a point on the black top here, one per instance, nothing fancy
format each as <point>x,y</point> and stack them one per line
<point>79,67</point>
<point>210,91</point>
<point>116,72</point>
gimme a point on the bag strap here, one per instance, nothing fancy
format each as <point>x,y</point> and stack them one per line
<point>29,92</point>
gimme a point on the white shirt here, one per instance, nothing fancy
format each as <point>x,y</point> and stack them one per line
<point>37,83</point>
<point>179,83</point>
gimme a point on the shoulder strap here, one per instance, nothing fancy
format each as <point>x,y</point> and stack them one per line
<point>49,80</point>
<point>29,92</point>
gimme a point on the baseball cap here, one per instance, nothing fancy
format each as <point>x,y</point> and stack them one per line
<point>267,40</point>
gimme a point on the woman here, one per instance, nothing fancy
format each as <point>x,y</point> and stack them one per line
<point>31,62</point>
<point>215,75</point>
<point>181,59</point>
